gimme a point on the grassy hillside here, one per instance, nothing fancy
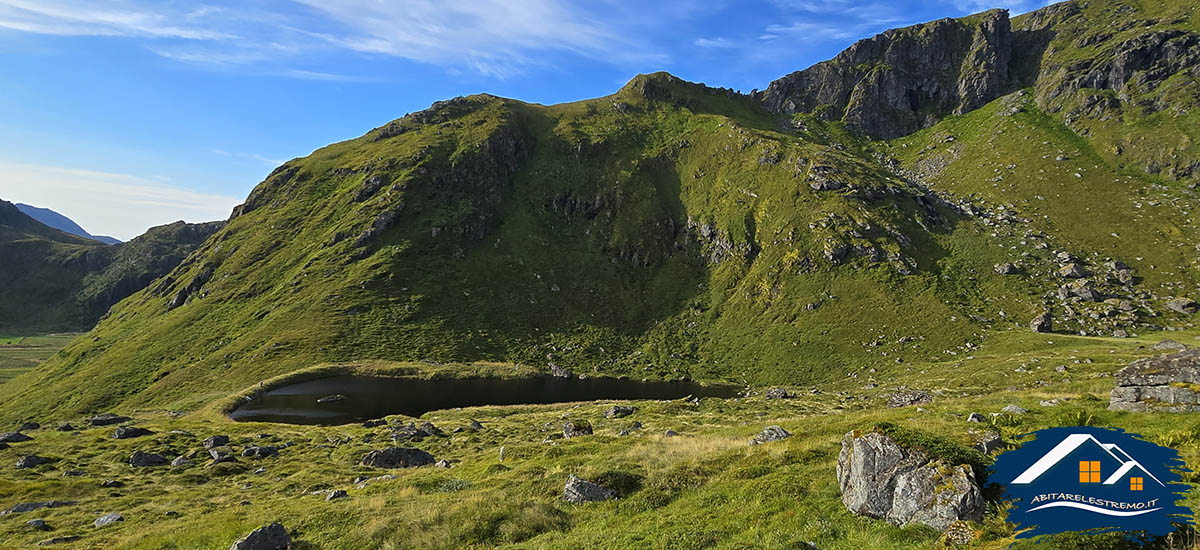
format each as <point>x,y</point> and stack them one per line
<point>707,488</point>
<point>668,230</point>
<point>42,270</point>
<point>673,230</point>
<point>19,354</point>
<point>53,281</point>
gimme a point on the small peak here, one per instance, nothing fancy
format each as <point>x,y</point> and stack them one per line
<point>653,85</point>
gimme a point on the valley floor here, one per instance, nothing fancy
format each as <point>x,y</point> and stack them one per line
<point>21,353</point>
<point>705,488</point>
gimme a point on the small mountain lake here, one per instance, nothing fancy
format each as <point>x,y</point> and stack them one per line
<point>348,399</point>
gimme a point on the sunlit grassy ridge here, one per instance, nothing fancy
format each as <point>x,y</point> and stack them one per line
<point>665,231</point>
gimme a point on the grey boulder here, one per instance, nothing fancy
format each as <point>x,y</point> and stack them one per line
<point>576,428</point>
<point>776,393</point>
<point>14,437</point>
<point>30,461</point>
<point>130,432</point>
<point>580,490</point>
<point>908,398</point>
<point>1186,306</point>
<point>1042,323</point>
<point>268,537</point>
<point>143,460</point>
<point>108,519</point>
<point>769,434</point>
<point>397,457</point>
<point>107,419</point>
<point>619,411</point>
<point>881,479</point>
<point>1014,409</point>
<point>1167,383</point>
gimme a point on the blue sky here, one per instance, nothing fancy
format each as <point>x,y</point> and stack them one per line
<point>123,114</point>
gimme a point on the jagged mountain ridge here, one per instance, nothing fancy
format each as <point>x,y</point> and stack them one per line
<point>53,280</point>
<point>670,229</point>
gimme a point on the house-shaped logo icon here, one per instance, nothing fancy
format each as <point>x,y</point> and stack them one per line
<point>1082,478</point>
<point>1098,463</point>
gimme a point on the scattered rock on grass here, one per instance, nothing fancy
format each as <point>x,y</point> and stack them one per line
<point>908,398</point>
<point>575,428</point>
<point>1042,323</point>
<point>38,525</point>
<point>579,490</point>
<point>108,519</point>
<point>334,495</point>
<point>31,506</point>
<point>397,457</point>
<point>216,441</point>
<point>268,537</point>
<point>1014,409</point>
<point>30,461</point>
<point>1170,345</point>
<point>1006,269</point>
<point>14,437</point>
<point>143,460</point>
<point>260,452</point>
<point>130,432</point>
<point>769,434</point>
<point>1183,305</point>
<point>619,411</point>
<point>107,419</point>
<point>776,393</point>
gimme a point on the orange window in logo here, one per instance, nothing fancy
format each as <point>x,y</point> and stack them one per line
<point>1135,484</point>
<point>1089,471</point>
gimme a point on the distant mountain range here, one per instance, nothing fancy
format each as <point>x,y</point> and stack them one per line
<point>52,280</point>
<point>61,223</point>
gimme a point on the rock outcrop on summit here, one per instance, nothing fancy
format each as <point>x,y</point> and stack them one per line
<point>903,80</point>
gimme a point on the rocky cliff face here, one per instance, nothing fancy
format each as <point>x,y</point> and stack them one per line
<point>902,80</point>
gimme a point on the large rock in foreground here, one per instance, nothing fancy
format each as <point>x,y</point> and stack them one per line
<point>1168,383</point>
<point>883,479</point>
<point>268,537</point>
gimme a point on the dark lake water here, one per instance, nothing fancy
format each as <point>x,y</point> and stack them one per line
<point>346,399</point>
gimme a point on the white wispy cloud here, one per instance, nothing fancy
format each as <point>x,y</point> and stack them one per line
<point>121,205</point>
<point>719,42</point>
<point>72,17</point>
<point>492,37</point>
<point>252,156</point>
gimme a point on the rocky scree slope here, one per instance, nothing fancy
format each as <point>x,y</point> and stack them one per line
<point>672,229</point>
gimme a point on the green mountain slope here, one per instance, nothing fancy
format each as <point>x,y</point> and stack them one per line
<point>672,229</point>
<point>53,281</point>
